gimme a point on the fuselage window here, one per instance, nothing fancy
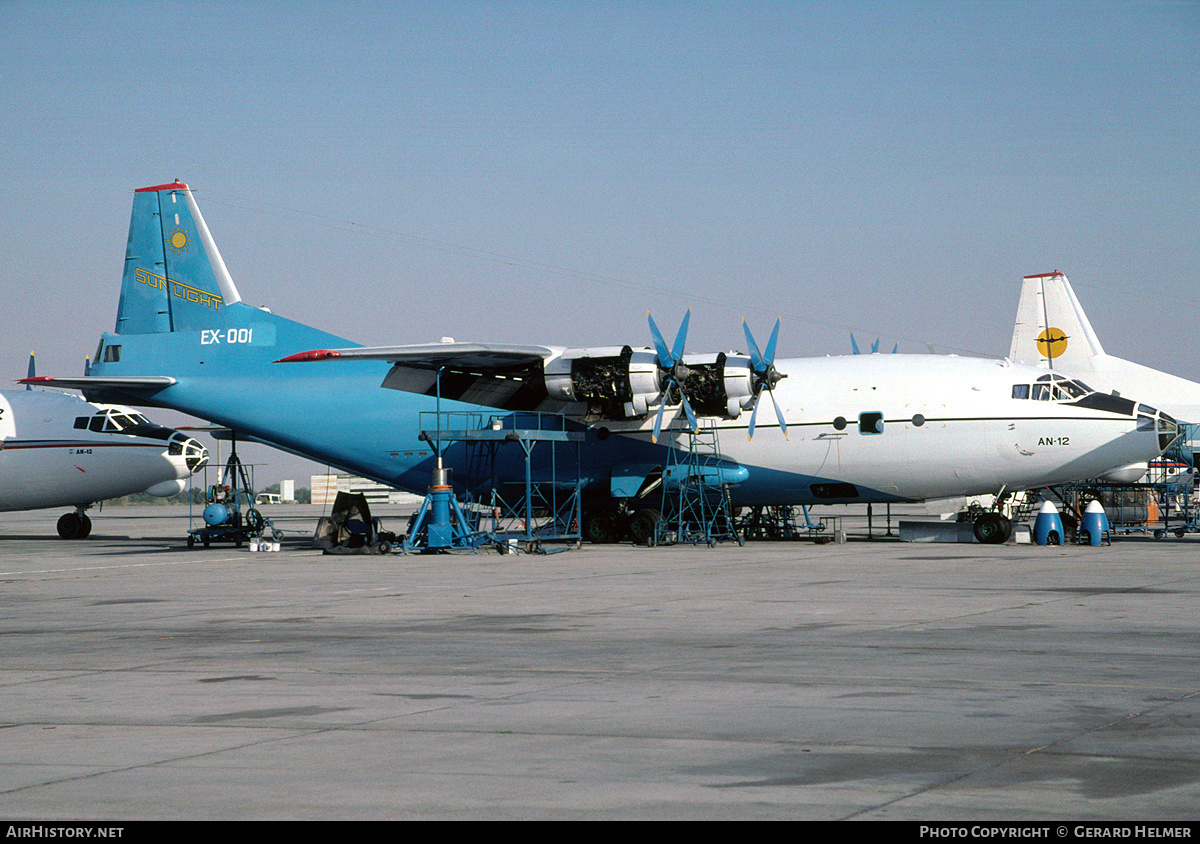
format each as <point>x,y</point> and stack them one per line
<point>870,423</point>
<point>112,354</point>
<point>1041,392</point>
<point>81,423</point>
<point>1020,391</point>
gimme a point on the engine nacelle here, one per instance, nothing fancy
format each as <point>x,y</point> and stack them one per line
<point>719,385</point>
<point>619,382</point>
<point>616,382</point>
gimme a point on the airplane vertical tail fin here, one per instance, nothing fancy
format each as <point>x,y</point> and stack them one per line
<point>1051,329</point>
<point>175,279</point>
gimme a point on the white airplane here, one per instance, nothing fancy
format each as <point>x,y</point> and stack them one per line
<point>1053,332</point>
<point>59,450</point>
<point>854,429</point>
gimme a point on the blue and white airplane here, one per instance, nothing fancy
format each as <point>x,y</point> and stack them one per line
<point>879,428</point>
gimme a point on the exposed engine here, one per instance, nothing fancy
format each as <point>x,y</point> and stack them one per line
<point>624,383</point>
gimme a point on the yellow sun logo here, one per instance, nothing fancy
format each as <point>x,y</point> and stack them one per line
<point>179,240</point>
<point>1052,342</point>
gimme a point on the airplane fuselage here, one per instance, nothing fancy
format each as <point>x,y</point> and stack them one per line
<point>58,450</point>
<point>860,428</point>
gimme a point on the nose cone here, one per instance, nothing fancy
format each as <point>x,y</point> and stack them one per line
<point>194,455</point>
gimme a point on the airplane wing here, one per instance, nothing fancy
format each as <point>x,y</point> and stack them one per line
<point>490,374</point>
<point>459,357</point>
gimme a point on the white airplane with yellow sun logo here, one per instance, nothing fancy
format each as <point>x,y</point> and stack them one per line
<point>1053,332</point>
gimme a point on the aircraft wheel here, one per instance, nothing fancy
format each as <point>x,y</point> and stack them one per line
<point>992,528</point>
<point>191,540</point>
<point>600,527</point>
<point>642,525</point>
<point>85,527</point>
<point>68,525</point>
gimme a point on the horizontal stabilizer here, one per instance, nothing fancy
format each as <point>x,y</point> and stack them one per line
<point>95,382</point>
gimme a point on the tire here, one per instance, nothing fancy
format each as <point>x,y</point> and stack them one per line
<point>642,525</point>
<point>992,529</point>
<point>600,527</point>
<point>69,525</point>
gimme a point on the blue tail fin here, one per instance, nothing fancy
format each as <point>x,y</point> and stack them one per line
<point>175,279</point>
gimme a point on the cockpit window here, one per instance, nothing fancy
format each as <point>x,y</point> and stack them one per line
<point>1073,389</point>
<point>1052,387</point>
<point>114,421</point>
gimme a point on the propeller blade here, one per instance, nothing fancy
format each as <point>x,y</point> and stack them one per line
<point>769,355</point>
<point>854,345</point>
<point>31,372</point>
<point>753,415</point>
<point>687,408</point>
<point>660,345</point>
<point>875,347</point>
<point>662,405</point>
<point>778,413</point>
<point>752,348</point>
<point>681,337</point>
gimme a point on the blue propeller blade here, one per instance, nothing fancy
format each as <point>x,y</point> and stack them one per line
<point>681,337</point>
<point>765,376</point>
<point>752,348</point>
<point>662,405</point>
<point>769,355</point>
<point>660,345</point>
<point>668,361</point>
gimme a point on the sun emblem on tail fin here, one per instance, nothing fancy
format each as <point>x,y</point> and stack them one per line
<point>179,240</point>
<point>1052,343</point>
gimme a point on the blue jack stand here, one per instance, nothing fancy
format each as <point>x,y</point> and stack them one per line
<point>440,525</point>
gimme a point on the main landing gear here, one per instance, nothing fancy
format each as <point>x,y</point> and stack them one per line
<point>992,528</point>
<point>75,525</point>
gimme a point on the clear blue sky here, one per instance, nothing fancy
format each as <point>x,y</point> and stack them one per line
<point>547,172</point>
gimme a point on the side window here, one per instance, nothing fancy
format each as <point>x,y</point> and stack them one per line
<point>1020,391</point>
<point>112,354</point>
<point>1041,392</point>
<point>870,423</point>
<point>81,423</point>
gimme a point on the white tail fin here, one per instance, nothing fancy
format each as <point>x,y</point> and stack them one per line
<point>1051,330</point>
